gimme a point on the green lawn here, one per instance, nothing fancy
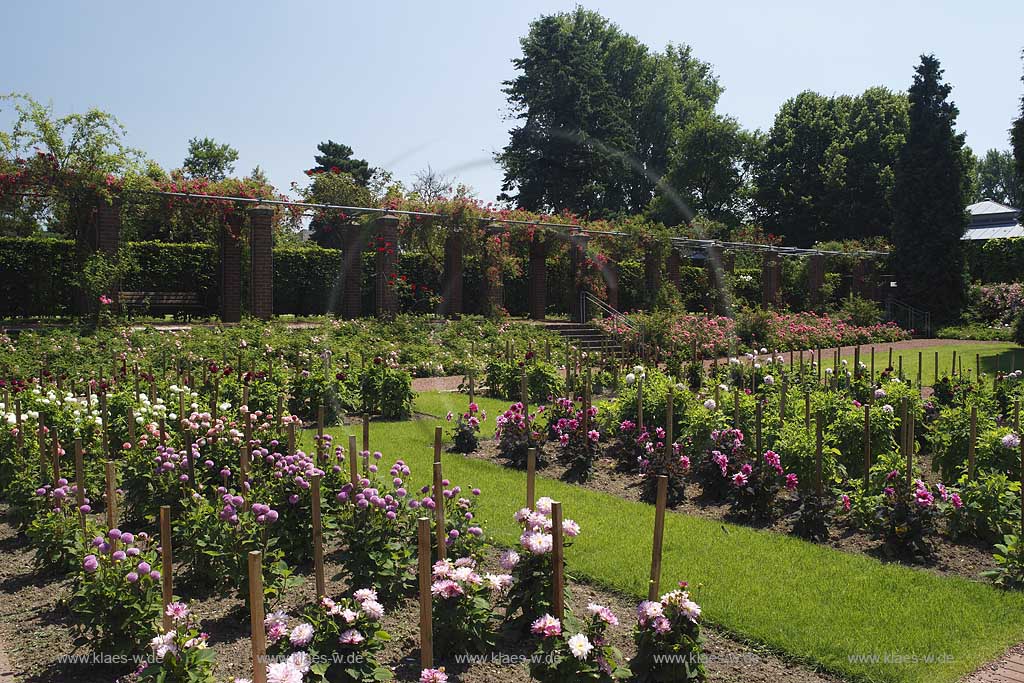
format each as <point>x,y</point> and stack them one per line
<point>806,601</point>
<point>993,356</point>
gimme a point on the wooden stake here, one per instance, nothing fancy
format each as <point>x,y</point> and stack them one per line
<point>659,533</point>
<point>318,539</point>
<point>807,411</point>
<point>867,446</point>
<point>259,634</point>
<point>531,477</point>
<point>639,405</point>
<point>291,438</point>
<point>439,528</point>
<point>366,432</point>
<point>352,470</point>
<point>80,482</point>
<point>757,427</point>
<point>166,558</point>
<point>936,367</point>
<point>736,407</point>
<point>320,436</point>
<point>279,413</point>
<point>426,598</point>
<point>872,364</point>
<point>438,433</point>
<point>819,484</point>
<point>557,562</point>
<point>111,471</point>
<point>782,401</point>
<point>972,444</point>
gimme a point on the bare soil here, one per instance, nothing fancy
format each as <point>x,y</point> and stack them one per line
<point>37,636</point>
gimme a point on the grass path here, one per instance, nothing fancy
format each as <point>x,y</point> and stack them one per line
<point>836,610</point>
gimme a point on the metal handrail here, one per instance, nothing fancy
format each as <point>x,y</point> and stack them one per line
<point>911,314</point>
<point>616,315</point>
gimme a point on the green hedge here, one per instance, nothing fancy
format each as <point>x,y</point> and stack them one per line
<point>38,275</point>
<point>999,260</point>
<point>307,280</point>
<point>163,267</point>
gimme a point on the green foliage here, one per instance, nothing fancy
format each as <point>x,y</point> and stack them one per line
<point>334,155</point>
<point>674,654</point>
<point>998,179</point>
<point>208,159</point>
<point>929,198</point>
<point>554,662</point>
<point>39,276</point>
<point>386,391</point>
<point>1010,558</point>
<point>307,280</point>
<point>990,507</point>
<point>505,380</point>
<point>57,537</point>
<point>180,655</point>
<point>463,615</point>
<point>827,169</point>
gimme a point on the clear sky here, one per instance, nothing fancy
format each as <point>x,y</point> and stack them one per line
<point>408,84</point>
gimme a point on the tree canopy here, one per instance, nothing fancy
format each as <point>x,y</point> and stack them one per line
<point>209,159</point>
<point>997,179</point>
<point>929,197</point>
<point>604,125</point>
<point>336,157</point>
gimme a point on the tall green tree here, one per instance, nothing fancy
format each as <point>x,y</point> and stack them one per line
<point>1017,140</point>
<point>827,168</point>
<point>599,116</point>
<point>337,157</point>
<point>997,179</point>
<point>209,159</point>
<point>929,198</point>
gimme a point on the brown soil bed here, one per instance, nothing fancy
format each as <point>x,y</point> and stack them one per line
<point>964,559</point>
<point>37,638</point>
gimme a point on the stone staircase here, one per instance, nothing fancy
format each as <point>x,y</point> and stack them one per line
<point>587,338</point>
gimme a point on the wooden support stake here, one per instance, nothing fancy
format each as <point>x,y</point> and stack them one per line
<point>782,401</point>
<point>819,484</point>
<point>439,528</point>
<point>320,436</point>
<point>659,535</point>
<point>736,407</point>
<point>872,364</point>
<point>279,413</point>
<point>259,634</point>
<point>318,539</point>
<point>557,562</point>
<point>867,446</point>
<point>111,472</point>
<point>291,438</point>
<point>426,598</point>
<point>352,454</point>
<point>807,411</point>
<point>972,444</point>
<point>757,428</point>
<point>438,434</point>
<point>936,367</point>
<point>639,405</point>
<point>366,432</point>
<point>531,477</point>
<point>1016,415</point>
<point>80,482</point>
<point>166,559</point>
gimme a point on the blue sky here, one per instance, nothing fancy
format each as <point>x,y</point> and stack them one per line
<point>408,84</point>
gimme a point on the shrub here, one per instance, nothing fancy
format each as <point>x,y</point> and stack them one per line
<point>463,616</point>
<point>179,655</point>
<point>754,488</point>
<point>387,390</point>
<point>577,438</point>
<point>907,518</point>
<point>505,380</point>
<point>116,595</point>
<point>585,655</point>
<point>1010,560</point>
<point>334,640</point>
<point>668,640</point>
<point>987,507</point>
<point>466,429</point>
<point>516,435</point>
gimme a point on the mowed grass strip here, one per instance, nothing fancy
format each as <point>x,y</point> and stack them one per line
<point>843,612</point>
<point>993,356</point>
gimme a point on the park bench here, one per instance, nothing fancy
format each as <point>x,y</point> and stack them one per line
<point>160,303</point>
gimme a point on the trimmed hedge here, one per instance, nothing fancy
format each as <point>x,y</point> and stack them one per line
<point>37,276</point>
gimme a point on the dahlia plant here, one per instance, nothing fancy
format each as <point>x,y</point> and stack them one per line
<point>721,462</point>
<point>573,650</point>
<point>116,595</point>
<point>754,488</point>
<point>515,434</point>
<point>378,524</point>
<point>466,429</point>
<point>463,614</point>
<point>908,517</point>
<point>336,641</point>
<point>179,655</point>
<point>630,446</point>
<point>531,592</point>
<point>668,640</point>
<point>465,537</point>
<point>577,437</point>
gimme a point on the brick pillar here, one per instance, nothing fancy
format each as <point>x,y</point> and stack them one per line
<point>611,280</point>
<point>728,261</point>
<point>108,226</point>
<point>860,271</point>
<point>261,252</point>
<point>386,299</point>
<point>454,246</point>
<point>538,276</point>
<point>770,267</point>
<point>672,265</point>
<point>231,273</point>
<point>494,278</point>
<point>816,277</point>
<point>353,242</point>
<point>714,265</point>
<point>578,266</point>
<point>652,271</point>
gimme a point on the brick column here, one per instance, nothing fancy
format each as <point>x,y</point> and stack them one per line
<point>860,272</point>
<point>672,265</point>
<point>652,271</point>
<point>454,247</point>
<point>816,277</point>
<point>611,281</point>
<point>494,278</point>
<point>770,267</point>
<point>108,226</point>
<point>386,298</point>
<point>538,276</point>
<point>714,266</point>
<point>353,241</point>
<point>577,267</point>
<point>231,273</point>
<point>261,271</point>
